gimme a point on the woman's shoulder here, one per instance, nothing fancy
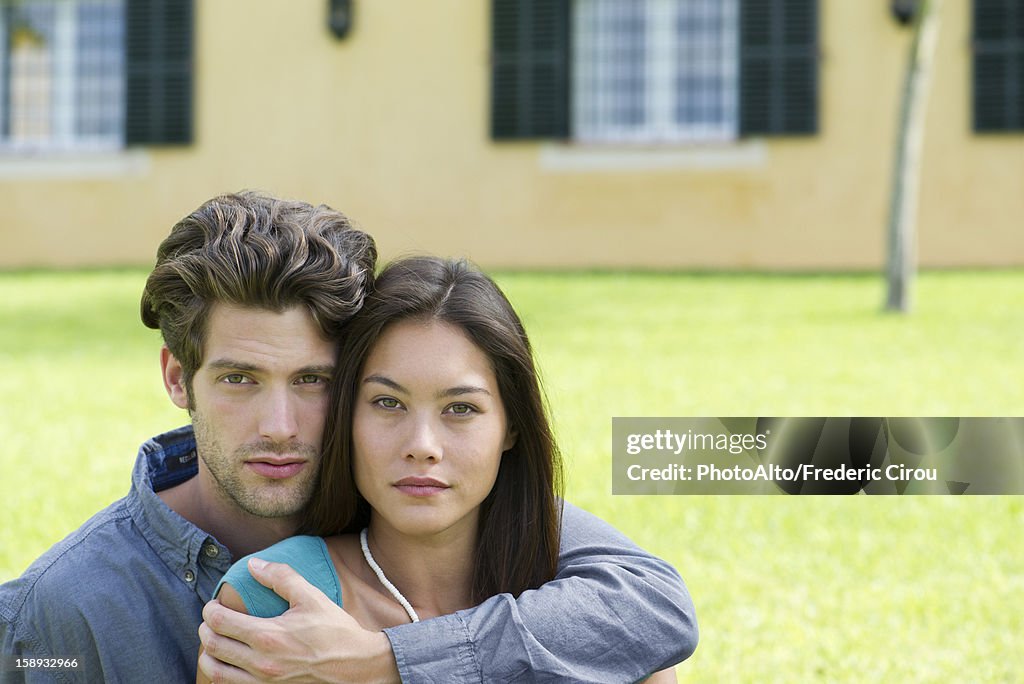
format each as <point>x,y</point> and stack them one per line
<point>293,551</point>
<point>307,555</point>
<point>290,547</point>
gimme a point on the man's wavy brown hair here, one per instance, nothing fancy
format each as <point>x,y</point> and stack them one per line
<point>253,250</point>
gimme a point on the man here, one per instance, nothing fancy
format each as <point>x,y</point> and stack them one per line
<point>250,293</point>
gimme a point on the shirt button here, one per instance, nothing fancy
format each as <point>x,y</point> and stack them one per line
<point>190,576</point>
<point>211,551</point>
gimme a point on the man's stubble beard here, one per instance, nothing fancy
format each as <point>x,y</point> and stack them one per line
<point>270,499</point>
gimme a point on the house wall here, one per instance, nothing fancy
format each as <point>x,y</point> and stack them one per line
<point>972,186</point>
<point>391,126</point>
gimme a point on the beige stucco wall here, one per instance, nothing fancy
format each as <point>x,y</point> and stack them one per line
<point>972,188</point>
<point>391,126</point>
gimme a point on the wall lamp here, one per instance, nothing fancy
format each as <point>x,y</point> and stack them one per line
<point>904,11</point>
<point>339,17</point>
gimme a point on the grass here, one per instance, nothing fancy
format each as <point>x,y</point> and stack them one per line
<point>787,588</point>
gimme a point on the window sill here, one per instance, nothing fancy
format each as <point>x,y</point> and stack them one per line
<point>73,166</point>
<point>579,157</point>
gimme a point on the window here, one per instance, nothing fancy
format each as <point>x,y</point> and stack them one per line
<point>61,74</point>
<point>998,68</point>
<point>653,71</point>
<point>87,75</point>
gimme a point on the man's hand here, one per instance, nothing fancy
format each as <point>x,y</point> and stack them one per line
<point>313,641</point>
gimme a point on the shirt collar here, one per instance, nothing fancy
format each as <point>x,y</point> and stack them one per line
<point>165,461</point>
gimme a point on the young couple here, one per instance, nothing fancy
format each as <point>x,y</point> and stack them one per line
<point>416,455</point>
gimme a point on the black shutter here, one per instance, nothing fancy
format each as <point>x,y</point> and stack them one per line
<point>530,69</point>
<point>778,67</point>
<point>158,72</point>
<point>998,69</point>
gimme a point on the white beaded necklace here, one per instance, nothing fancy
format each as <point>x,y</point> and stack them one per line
<point>384,580</point>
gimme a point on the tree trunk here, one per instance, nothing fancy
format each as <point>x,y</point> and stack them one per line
<point>907,173</point>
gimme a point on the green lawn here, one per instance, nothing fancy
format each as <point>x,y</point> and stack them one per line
<point>787,588</point>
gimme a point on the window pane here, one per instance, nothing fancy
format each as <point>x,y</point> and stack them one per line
<point>100,65</point>
<point>30,63</point>
<point>609,63</point>
<point>707,77</point>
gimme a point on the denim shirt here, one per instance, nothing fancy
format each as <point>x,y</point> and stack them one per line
<point>124,595</point>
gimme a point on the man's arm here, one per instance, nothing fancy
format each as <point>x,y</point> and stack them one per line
<point>61,636</point>
<point>613,613</point>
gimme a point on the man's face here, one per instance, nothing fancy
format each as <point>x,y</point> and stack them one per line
<point>259,401</point>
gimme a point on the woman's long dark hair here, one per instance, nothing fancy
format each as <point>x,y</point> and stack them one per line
<point>520,520</point>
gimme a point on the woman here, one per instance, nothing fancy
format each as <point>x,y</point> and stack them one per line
<point>445,490</point>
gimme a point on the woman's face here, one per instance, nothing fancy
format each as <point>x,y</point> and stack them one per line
<point>429,429</point>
